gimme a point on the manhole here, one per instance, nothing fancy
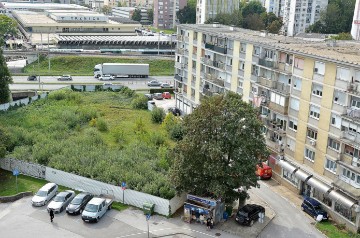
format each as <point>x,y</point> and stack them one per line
<point>217,234</point>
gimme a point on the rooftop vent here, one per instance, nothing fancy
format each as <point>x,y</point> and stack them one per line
<point>216,24</point>
<point>231,28</point>
<point>263,33</point>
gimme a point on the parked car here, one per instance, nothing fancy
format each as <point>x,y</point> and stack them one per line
<point>60,202</point>
<point>107,84</point>
<point>106,77</point>
<point>313,208</point>
<point>45,194</point>
<point>175,111</point>
<point>65,78</point>
<point>96,208</point>
<point>166,95</point>
<point>153,83</point>
<point>166,85</point>
<point>248,214</point>
<point>158,96</point>
<point>263,171</point>
<point>78,204</point>
<point>149,96</point>
<point>32,78</point>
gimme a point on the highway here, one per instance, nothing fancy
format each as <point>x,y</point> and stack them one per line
<point>49,83</point>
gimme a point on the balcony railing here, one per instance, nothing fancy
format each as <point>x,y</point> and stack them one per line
<point>179,51</point>
<point>209,46</point>
<point>279,108</point>
<point>268,63</point>
<point>351,136</point>
<point>220,49</point>
<point>278,86</point>
<point>179,65</point>
<point>180,37</point>
<point>210,93</point>
<point>353,88</point>
<point>266,82</point>
<point>178,77</point>
<point>215,80</point>
<point>352,113</point>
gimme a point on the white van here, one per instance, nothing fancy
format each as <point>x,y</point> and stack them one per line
<point>44,195</point>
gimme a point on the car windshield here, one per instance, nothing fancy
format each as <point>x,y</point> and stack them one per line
<point>91,208</point>
<point>76,201</point>
<point>41,193</point>
<point>317,208</point>
<point>241,213</point>
<point>59,199</point>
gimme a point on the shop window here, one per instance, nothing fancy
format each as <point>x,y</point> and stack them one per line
<point>330,165</point>
<point>293,124</point>
<point>314,112</point>
<point>317,90</point>
<point>345,212</point>
<point>290,177</point>
<point>312,134</point>
<point>309,155</point>
<point>322,197</point>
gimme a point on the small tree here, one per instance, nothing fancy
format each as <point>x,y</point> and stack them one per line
<point>157,115</point>
<point>136,15</point>
<point>106,9</point>
<point>140,102</point>
<point>150,14</point>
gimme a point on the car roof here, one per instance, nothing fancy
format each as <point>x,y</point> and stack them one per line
<point>64,193</point>
<point>82,195</point>
<point>249,207</point>
<point>47,186</point>
<point>312,201</point>
<point>96,201</point>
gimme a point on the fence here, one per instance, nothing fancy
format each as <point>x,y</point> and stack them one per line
<point>134,198</point>
<point>25,101</point>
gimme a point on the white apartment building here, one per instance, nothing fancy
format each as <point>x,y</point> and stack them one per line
<point>206,9</point>
<point>355,28</point>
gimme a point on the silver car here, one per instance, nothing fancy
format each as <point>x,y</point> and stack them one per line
<point>65,78</point>
<point>153,83</point>
<point>60,202</point>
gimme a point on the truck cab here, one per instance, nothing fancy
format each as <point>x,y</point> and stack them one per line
<point>97,70</point>
<point>96,209</point>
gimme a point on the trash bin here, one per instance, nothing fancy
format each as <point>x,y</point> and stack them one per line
<point>148,208</point>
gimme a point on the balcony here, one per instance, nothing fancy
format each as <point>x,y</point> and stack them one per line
<point>186,38</point>
<point>274,144</point>
<point>180,51</point>
<point>210,93</point>
<point>351,113</point>
<point>276,127</point>
<point>266,82</point>
<point>268,63</point>
<point>287,68</point>
<point>180,38</point>
<point>279,108</point>
<point>353,88</point>
<point>350,137</point>
<point>178,77</point>
<point>179,65</point>
<point>209,46</point>
<point>277,86</point>
<point>220,49</point>
<point>214,80</point>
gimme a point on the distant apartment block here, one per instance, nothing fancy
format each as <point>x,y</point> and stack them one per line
<point>165,12</point>
<point>355,29</point>
<point>127,12</point>
<point>308,97</point>
<point>206,9</point>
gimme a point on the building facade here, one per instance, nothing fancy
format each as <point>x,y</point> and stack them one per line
<point>127,12</point>
<point>165,12</point>
<point>308,97</point>
<point>206,9</point>
<point>355,28</point>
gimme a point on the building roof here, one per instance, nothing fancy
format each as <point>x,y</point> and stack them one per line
<point>40,6</point>
<point>346,52</point>
<point>28,17</point>
<point>116,39</point>
<point>123,20</point>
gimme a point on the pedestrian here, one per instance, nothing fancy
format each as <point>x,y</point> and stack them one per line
<point>208,223</point>
<point>51,215</point>
<point>197,216</point>
<point>211,223</point>
<point>202,218</point>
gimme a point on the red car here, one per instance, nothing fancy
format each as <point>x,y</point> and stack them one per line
<point>263,171</point>
<point>166,95</point>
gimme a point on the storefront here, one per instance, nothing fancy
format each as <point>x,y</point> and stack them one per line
<point>196,206</point>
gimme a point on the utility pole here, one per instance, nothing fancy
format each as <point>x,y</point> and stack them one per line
<point>159,44</point>
<point>49,52</point>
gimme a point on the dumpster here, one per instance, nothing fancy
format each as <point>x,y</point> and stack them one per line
<point>148,208</point>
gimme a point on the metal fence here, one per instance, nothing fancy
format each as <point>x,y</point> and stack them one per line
<point>131,197</point>
<point>21,102</point>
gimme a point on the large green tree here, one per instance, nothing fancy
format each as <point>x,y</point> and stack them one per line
<point>187,15</point>
<point>8,26</point>
<point>106,9</point>
<point>150,14</point>
<point>222,143</point>
<point>136,15</point>
<point>253,7</point>
<point>336,18</point>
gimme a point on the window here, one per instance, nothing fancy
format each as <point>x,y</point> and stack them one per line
<point>349,150</point>
<point>278,99</point>
<point>290,143</point>
<point>311,133</point>
<point>299,63</point>
<point>269,54</point>
<point>256,50</point>
<point>309,154</point>
<point>255,70</point>
<point>297,83</point>
<point>241,65</point>
<point>290,177</point>
<point>343,74</point>
<point>314,112</point>
<point>330,165</point>
<point>317,90</point>
<point>319,68</point>
<point>339,97</point>
<point>240,83</point>
<point>336,120</point>
<point>242,47</point>
<point>293,124</point>
<point>355,102</point>
<point>333,144</point>
<point>294,104</point>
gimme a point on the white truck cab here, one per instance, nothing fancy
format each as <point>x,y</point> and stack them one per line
<point>96,208</point>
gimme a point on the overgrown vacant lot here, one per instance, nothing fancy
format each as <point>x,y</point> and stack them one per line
<point>84,65</point>
<point>97,135</point>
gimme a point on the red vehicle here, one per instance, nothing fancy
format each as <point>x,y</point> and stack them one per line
<point>166,95</point>
<point>263,171</point>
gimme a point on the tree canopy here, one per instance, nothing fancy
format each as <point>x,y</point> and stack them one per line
<point>106,9</point>
<point>336,18</point>
<point>187,15</point>
<point>222,143</point>
<point>136,15</point>
<point>150,14</point>
<point>8,26</point>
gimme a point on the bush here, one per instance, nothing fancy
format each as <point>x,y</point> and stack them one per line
<point>127,91</point>
<point>177,132</point>
<point>157,115</point>
<point>140,102</point>
<point>101,125</point>
<point>58,95</point>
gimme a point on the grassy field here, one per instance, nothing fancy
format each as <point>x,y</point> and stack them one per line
<point>84,65</point>
<point>96,135</point>
<point>332,231</point>
<point>166,31</point>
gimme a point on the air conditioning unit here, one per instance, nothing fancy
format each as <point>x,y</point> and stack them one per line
<point>312,142</point>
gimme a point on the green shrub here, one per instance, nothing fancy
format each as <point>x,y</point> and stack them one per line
<point>157,139</point>
<point>57,95</point>
<point>140,102</point>
<point>169,122</point>
<point>127,92</point>
<point>177,132</point>
<point>157,115</point>
<point>101,125</point>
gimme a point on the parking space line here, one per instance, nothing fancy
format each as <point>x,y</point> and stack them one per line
<point>152,231</point>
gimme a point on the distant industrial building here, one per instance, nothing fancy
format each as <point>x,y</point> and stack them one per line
<point>165,12</point>
<point>127,12</point>
<point>37,7</point>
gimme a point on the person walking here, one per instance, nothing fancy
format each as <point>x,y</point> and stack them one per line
<point>202,218</point>
<point>208,223</point>
<point>51,215</point>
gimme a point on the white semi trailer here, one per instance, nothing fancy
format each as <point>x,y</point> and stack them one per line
<point>119,70</point>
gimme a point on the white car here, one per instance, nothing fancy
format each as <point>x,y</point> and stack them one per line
<point>60,202</point>
<point>166,85</point>
<point>106,77</point>
<point>45,194</point>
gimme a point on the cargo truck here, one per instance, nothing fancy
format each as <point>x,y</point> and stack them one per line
<point>119,70</point>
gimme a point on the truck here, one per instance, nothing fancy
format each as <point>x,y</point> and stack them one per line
<point>97,207</point>
<point>119,70</point>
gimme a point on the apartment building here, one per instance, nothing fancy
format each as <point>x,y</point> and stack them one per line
<point>308,97</point>
<point>127,12</point>
<point>207,9</point>
<point>165,12</point>
<point>355,28</point>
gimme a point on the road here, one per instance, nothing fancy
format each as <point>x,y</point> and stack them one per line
<point>289,221</point>
<point>51,82</point>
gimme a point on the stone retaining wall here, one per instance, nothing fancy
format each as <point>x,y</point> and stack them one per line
<point>15,197</point>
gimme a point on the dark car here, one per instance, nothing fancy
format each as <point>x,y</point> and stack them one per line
<point>78,204</point>
<point>175,111</point>
<point>313,208</point>
<point>32,78</point>
<point>248,214</point>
